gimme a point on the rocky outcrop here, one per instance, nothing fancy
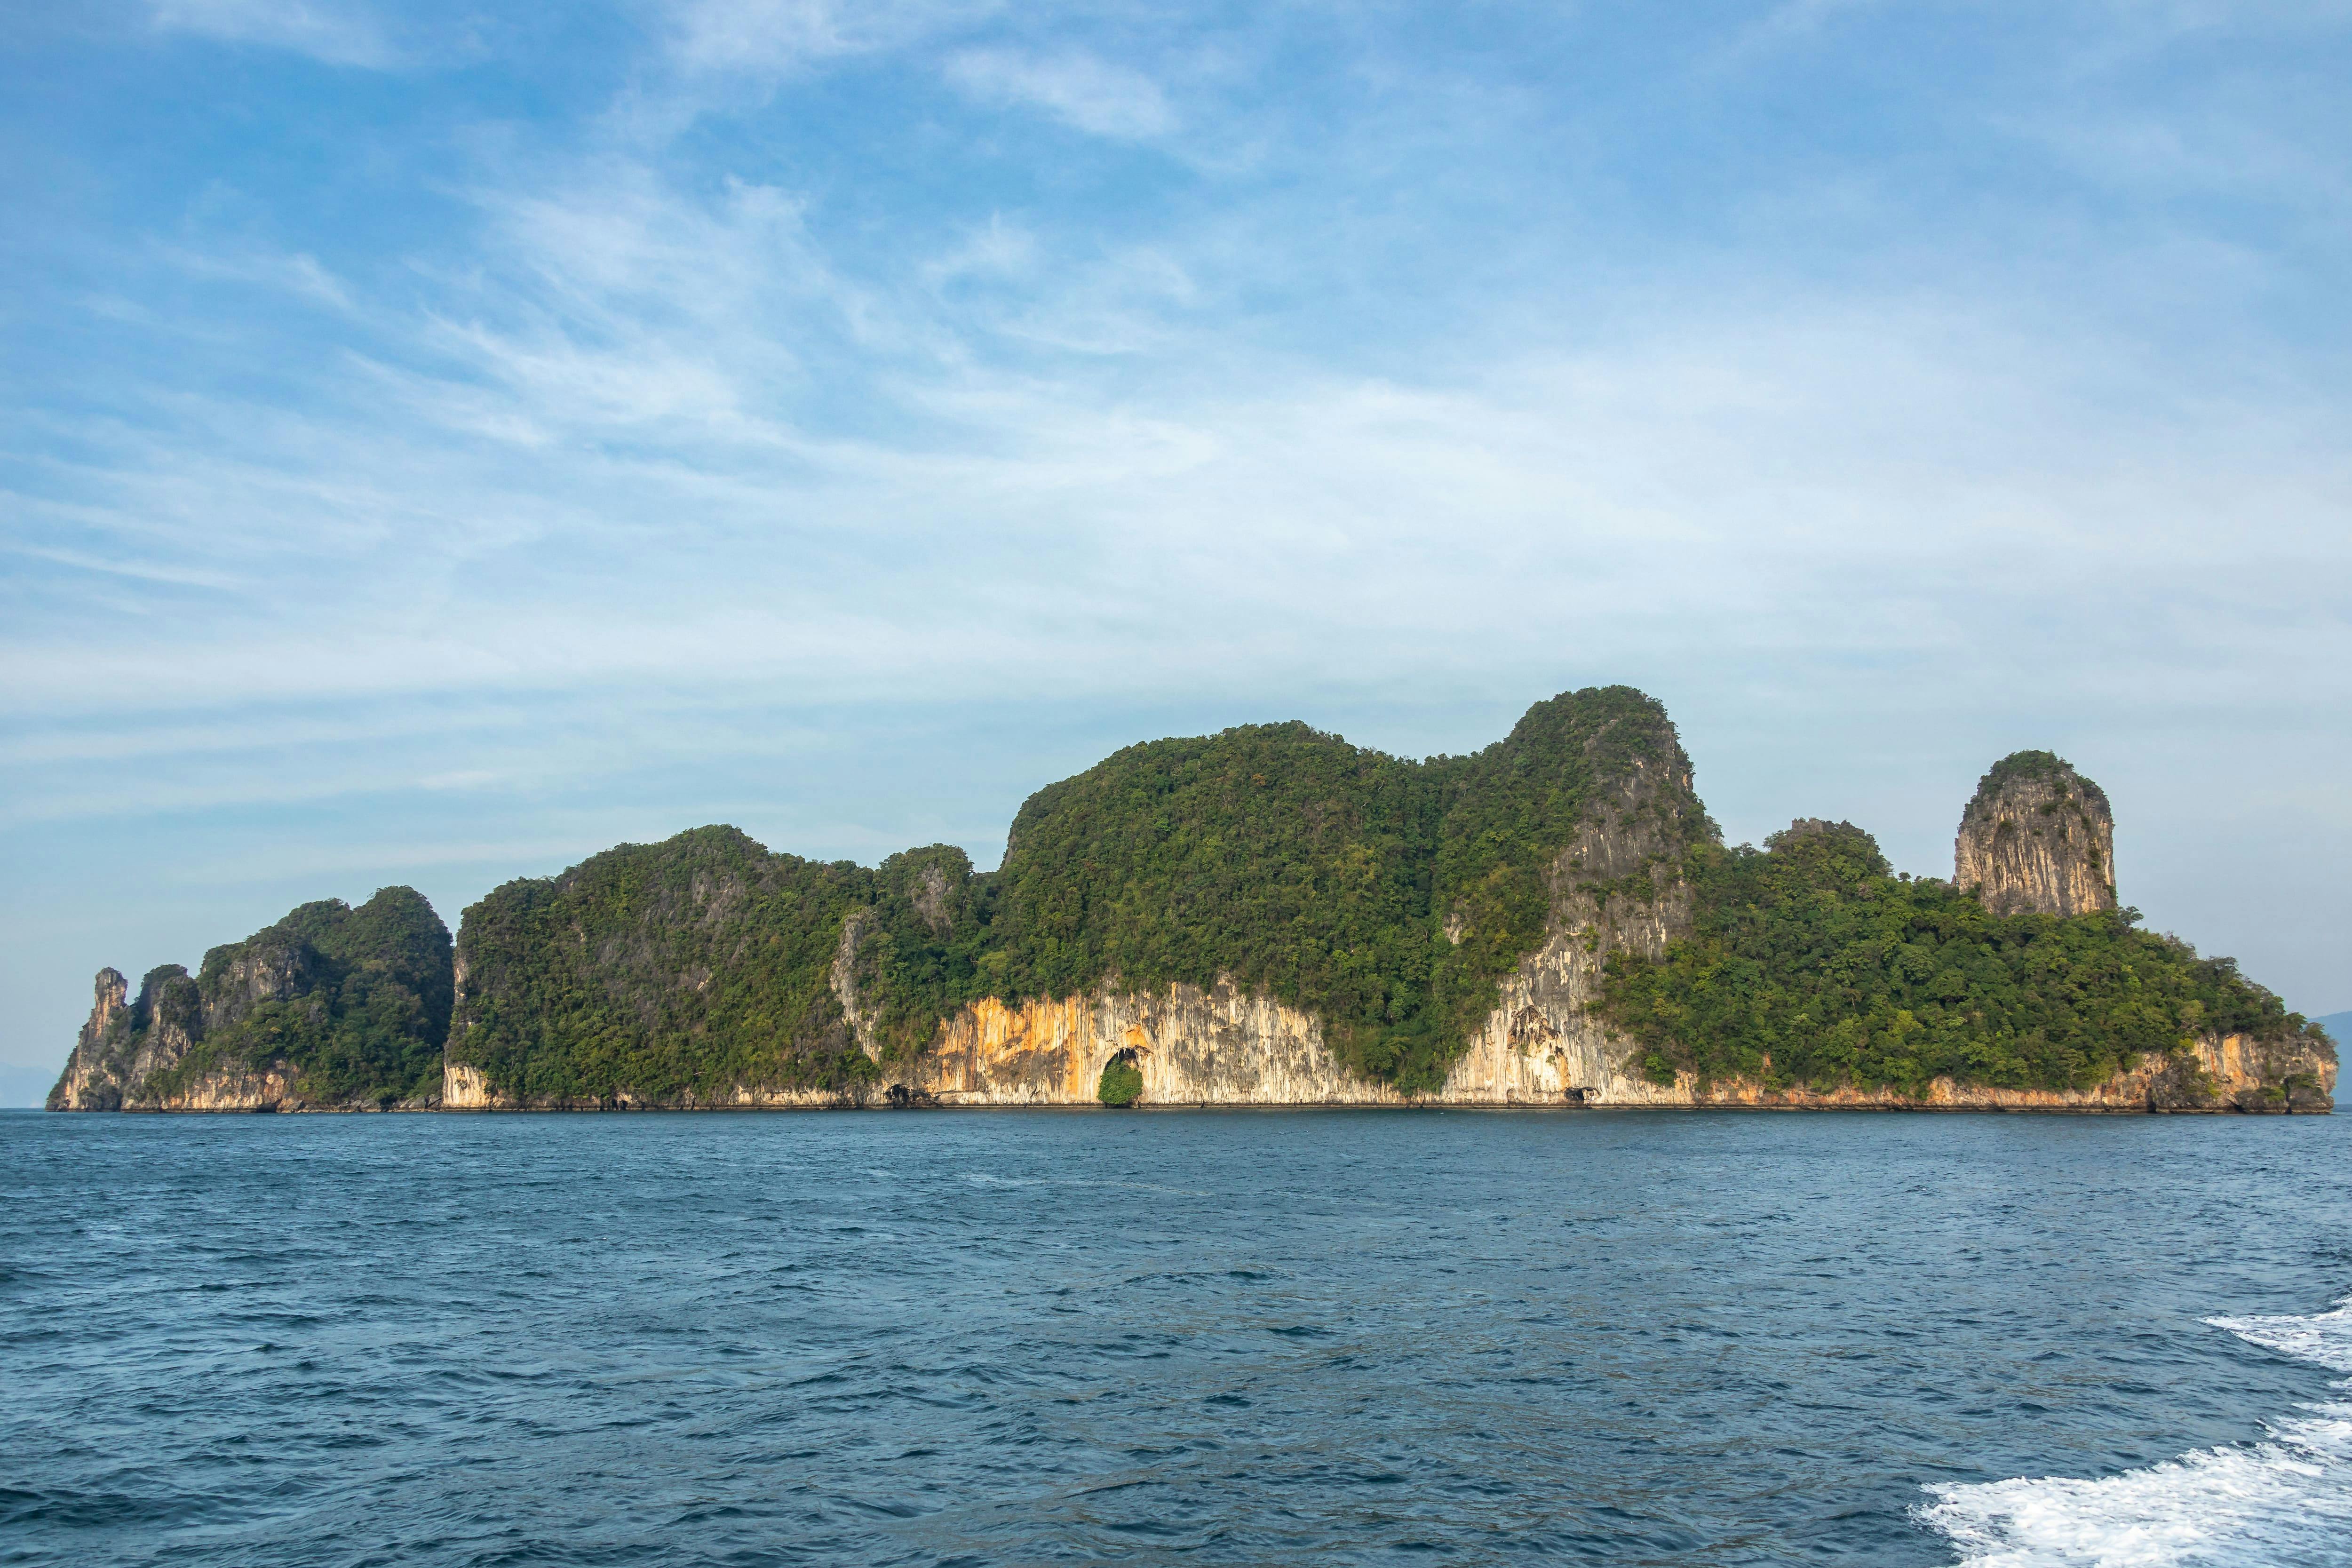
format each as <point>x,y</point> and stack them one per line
<point>99,1065</point>
<point>2037,838</point>
<point>1617,889</point>
<point>130,1053</point>
<point>127,1043</point>
<point>246,1033</point>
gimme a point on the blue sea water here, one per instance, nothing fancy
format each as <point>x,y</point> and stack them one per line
<point>1156,1338</point>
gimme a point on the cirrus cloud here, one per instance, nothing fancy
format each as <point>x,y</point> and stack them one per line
<point>1082,91</point>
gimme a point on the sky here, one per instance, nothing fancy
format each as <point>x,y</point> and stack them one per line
<point>443,439</point>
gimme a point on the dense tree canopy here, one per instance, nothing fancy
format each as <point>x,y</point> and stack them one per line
<point>1812,964</point>
<point>693,964</point>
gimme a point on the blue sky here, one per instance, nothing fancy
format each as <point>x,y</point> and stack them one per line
<point>443,441</point>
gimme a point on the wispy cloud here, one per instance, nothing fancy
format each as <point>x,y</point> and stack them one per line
<point>1080,89</point>
<point>297,275</point>
<point>338,32</point>
<point>784,35</point>
<point>132,567</point>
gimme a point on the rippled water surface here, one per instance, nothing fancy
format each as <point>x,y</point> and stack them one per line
<point>1263,1338</point>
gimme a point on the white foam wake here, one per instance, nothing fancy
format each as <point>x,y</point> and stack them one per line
<point>2286,1502</point>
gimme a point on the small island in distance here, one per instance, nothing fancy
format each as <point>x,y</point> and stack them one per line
<point>1266,916</point>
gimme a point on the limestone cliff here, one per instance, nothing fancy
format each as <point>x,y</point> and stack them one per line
<point>2208,1072</point>
<point>2038,838</point>
<point>331,1008</point>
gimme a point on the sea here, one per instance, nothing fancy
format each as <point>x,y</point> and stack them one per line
<point>1175,1337</point>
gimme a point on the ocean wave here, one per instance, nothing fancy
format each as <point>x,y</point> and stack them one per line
<point>2283,1502</point>
<point>2323,1337</point>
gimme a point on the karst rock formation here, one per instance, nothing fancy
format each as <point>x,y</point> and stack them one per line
<point>2038,838</point>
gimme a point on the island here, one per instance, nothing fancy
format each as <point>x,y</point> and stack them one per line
<point>1268,916</point>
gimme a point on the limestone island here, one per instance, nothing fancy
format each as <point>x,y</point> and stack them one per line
<point>1268,916</point>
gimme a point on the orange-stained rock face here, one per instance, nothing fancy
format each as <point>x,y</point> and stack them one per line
<point>1215,1046</point>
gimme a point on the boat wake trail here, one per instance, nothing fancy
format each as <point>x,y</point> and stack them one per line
<point>2285,1503</point>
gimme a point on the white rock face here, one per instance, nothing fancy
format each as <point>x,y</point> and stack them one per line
<point>2037,841</point>
<point>464,1087</point>
<point>1540,1047</point>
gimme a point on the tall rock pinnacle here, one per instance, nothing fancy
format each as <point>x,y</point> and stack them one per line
<point>2039,838</point>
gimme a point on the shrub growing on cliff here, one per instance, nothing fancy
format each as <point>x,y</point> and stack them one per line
<point>1122,1083</point>
<point>1809,963</point>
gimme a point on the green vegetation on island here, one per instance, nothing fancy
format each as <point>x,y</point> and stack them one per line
<point>1320,873</point>
<point>661,970</point>
<point>2037,767</point>
<point>353,1003</point>
<point>1810,964</point>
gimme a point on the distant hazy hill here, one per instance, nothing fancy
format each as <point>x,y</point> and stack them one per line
<point>2338,1025</point>
<point>22,1087</point>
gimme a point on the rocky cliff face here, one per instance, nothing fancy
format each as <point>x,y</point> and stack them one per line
<point>2209,1073</point>
<point>2037,838</point>
<point>98,1068</point>
<point>135,1055</point>
<point>128,1042</point>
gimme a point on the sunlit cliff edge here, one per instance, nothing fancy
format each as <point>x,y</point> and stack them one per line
<point>1265,918</point>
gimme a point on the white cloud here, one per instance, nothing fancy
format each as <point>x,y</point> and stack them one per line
<point>298,275</point>
<point>776,36</point>
<point>1081,90</point>
<point>126,566</point>
<point>1883,463</point>
<point>997,249</point>
<point>339,34</point>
